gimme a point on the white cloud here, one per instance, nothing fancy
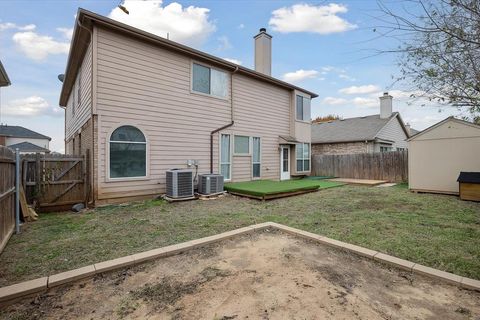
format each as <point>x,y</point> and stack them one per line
<point>224,43</point>
<point>345,76</point>
<point>366,102</point>
<point>189,25</point>
<point>67,32</point>
<point>30,107</point>
<point>370,88</point>
<point>334,101</point>
<point>299,75</point>
<point>233,60</point>
<point>10,25</point>
<point>310,18</point>
<point>241,26</point>
<point>327,69</point>
<point>38,47</point>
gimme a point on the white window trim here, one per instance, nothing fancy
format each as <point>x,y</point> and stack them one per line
<point>303,159</point>
<point>192,62</point>
<point>260,157</point>
<point>220,155</point>
<point>298,93</point>
<point>107,155</point>
<point>249,146</point>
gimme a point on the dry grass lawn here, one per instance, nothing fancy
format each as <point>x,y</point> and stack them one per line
<point>439,231</point>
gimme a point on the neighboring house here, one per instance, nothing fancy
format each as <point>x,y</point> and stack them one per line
<point>26,140</point>
<point>438,154</point>
<point>142,104</point>
<point>376,133</point>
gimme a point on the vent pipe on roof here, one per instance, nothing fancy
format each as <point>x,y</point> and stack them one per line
<point>385,106</point>
<point>263,52</point>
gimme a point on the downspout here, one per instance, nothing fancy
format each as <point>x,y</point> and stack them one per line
<point>225,126</point>
<point>92,151</point>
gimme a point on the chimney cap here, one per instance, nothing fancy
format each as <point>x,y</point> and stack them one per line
<point>385,93</point>
<point>262,32</point>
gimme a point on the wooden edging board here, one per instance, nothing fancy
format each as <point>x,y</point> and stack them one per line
<point>12,293</point>
<point>273,195</point>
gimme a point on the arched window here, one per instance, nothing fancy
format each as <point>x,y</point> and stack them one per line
<point>128,153</point>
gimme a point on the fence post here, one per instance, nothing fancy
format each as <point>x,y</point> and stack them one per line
<point>17,191</point>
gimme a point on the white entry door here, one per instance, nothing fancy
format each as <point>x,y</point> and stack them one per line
<point>284,163</point>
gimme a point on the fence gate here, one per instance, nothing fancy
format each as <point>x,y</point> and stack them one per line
<point>54,182</point>
<point>7,195</point>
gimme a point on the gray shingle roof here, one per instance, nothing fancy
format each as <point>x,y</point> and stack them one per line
<point>20,132</point>
<point>27,147</point>
<point>413,131</point>
<point>349,130</point>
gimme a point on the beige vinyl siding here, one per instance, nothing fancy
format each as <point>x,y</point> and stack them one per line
<point>393,131</point>
<point>241,170</point>
<point>436,157</point>
<point>83,112</point>
<point>260,110</point>
<point>149,87</point>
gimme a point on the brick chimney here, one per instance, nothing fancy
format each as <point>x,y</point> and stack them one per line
<point>263,52</point>
<point>385,106</point>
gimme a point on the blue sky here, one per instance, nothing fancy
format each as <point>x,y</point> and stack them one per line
<point>326,47</point>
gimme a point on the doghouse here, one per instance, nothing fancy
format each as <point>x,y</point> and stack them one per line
<point>469,186</point>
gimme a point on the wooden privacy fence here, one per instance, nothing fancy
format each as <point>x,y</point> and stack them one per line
<point>54,182</point>
<point>391,166</point>
<point>7,195</point>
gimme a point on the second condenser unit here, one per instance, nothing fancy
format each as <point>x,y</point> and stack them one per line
<point>210,183</point>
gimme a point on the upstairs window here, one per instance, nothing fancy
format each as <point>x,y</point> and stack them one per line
<point>128,153</point>
<point>302,108</point>
<point>209,81</point>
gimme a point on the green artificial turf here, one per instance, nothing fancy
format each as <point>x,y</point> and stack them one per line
<point>268,187</point>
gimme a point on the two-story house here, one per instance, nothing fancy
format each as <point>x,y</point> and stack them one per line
<point>142,104</point>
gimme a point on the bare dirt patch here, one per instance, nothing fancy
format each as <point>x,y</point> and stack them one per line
<point>268,275</point>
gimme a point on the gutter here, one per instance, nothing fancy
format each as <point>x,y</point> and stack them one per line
<point>169,45</point>
<point>225,126</point>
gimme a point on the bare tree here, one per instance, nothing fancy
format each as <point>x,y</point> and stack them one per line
<point>439,51</point>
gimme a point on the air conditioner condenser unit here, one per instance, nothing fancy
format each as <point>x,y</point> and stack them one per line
<point>179,183</point>
<point>210,183</point>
